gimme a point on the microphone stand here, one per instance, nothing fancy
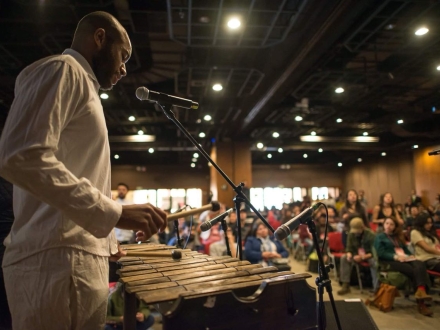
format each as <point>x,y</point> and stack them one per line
<point>239,198</point>
<point>322,281</point>
<point>225,231</point>
<point>179,241</point>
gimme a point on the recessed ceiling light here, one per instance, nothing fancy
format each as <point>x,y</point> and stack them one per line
<point>140,132</point>
<point>421,31</point>
<point>116,156</point>
<point>198,121</point>
<point>275,134</point>
<point>339,164</point>
<point>217,87</point>
<point>104,96</point>
<point>280,150</point>
<point>202,135</point>
<point>193,165</point>
<point>207,117</point>
<point>415,146</point>
<point>320,150</point>
<point>365,134</point>
<point>269,155</point>
<point>194,160</point>
<point>260,145</point>
<point>196,155</point>
<point>339,120</point>
<point>298,118</point>
<point>438,68</point>
<point>204,19</point>
<point>339,90</point>
<point>384,154</point>
<point>390,26</point>
<point>400,121</point>
<point>313,133</point>
<point>151,150</point>
<point>359,160</point>
<point>131,118</point>
<point>234,23</point>
<point>305,156</point>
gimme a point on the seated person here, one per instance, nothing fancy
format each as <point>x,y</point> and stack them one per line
<point>426,242</point>
<point>393,252</point>
<point>359,248</point>
<point>436,219</point>
<point>262,249</point>
<point>414,212</point>
<point>115,311</point>
<point>218,249</point>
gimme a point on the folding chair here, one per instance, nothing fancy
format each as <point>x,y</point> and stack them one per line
<point>374,226</point>
<point>335,249</point>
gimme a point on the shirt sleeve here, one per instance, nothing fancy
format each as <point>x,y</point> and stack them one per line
<point>416,236</point>
<point>42,108</point>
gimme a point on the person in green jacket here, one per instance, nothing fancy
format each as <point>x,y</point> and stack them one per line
<point>115,311</point>
<point>359,249</point>
<point>392,251</point>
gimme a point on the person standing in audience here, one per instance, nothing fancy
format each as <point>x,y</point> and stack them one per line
<point>54,149</point>
<point>384,210</point>
<point>414,212</point>
<point>426,242</point>
<point>415,200</point>
<point>394,254</point>
<point>362,199</point>
<point>359,248</point>
<point>124,236</point>
<point>353,205</point>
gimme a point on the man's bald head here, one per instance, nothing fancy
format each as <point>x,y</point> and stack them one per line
<point>88,25</point>
<point>105,44</point>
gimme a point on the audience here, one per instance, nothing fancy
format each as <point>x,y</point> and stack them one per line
<point>392,252</point>
<point>353,205</point>
<point>426,242</point>
<point>384,210</point>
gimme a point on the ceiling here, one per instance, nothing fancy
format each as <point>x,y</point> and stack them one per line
<point>285,61</point>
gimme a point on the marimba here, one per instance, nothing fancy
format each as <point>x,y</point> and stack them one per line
<point>203,292</point>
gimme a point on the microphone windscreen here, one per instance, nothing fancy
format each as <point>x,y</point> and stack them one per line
<point>142,93</point>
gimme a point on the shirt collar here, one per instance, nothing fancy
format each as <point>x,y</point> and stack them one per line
<point>83,62</point>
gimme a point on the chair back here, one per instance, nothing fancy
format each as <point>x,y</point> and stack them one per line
<point>335,241</point>
<point>374,226</point>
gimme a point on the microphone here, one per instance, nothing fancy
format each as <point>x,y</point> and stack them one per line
<point>142,93</point>
<point>208,224</point>
<point>284,230</point>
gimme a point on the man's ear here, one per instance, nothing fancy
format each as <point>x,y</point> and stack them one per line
<point>99,38</point>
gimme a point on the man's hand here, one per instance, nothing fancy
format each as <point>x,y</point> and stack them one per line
<point>357,258</point>
<point>140,317</point>
<point>349,256</point>
<point>118,255</point>
<point>144,218</point>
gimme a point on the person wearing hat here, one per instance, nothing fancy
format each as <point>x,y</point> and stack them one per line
<point>359,248</point>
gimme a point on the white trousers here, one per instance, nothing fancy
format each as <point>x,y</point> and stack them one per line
<point>60,288</point>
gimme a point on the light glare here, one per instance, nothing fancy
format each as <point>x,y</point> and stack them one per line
<point>234,23</point>
<point>339,90</point>
<point>217,87</point>
<point>421,31</point>
<point>131,118</point>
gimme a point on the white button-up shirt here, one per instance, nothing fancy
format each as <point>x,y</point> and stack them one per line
<point>55,150</point>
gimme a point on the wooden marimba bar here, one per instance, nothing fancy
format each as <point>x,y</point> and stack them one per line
<point>200,292</point>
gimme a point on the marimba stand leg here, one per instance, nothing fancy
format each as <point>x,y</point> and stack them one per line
<point>129,311</point>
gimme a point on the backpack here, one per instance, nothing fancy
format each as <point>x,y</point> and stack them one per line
<point>384,298</point>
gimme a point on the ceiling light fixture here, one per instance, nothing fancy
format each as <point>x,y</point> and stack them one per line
<point>193,165</point>
<point>131,118</point>
<point>340,164</point>
<point>383,154</point>
<point>390,26</point>
<point>359,160</point>
<point>217,87</point>
<point>339,90</point>
<point>132,138</point>
<point>305,156</point>
<point>196,155</point>
<point>298,118</point>
<point>116,156</point>
<point>104,96</point>
<point>339,120</point>
<point>260,145</point>
<point>310,138</point>
<point>313,133</point>
<point>421,31</point>
<point>320,150</point>
<point>438,68</point>
<point>234,23</point>
<point>365,134</point>
<point>151,150</point>
<point>269,155</point>
<point>280,150</point>
<point>207,117</point>
<point>400,121</point>
<point>202,135</point>
<point>415,146</point>
<point>275,134</point>
<point>140,132</point>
